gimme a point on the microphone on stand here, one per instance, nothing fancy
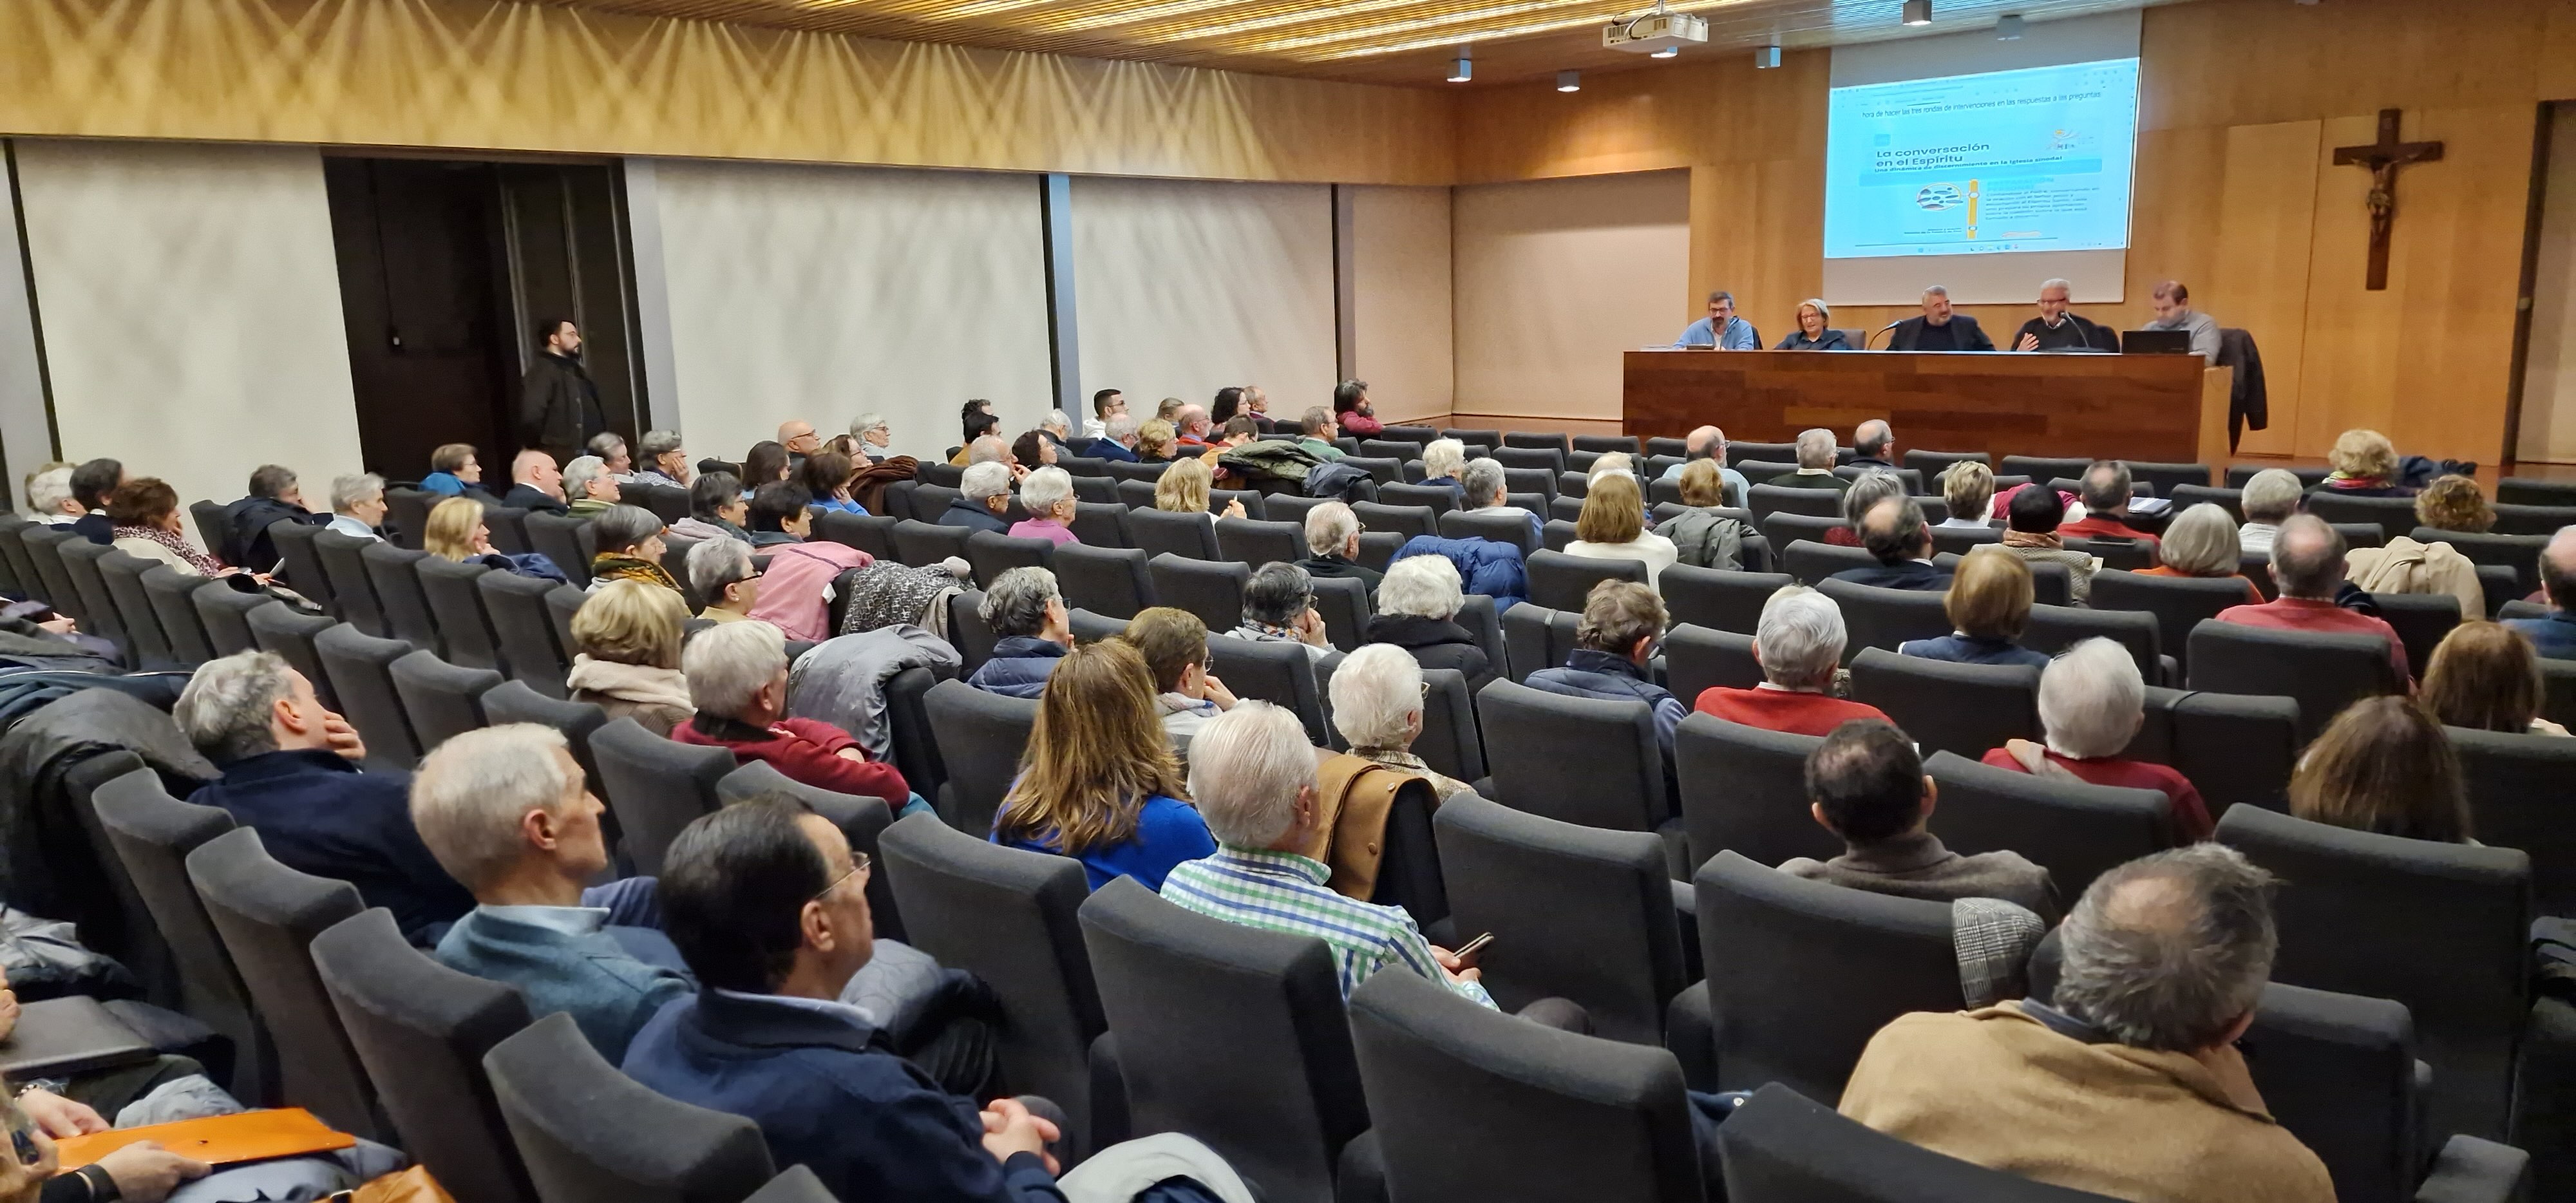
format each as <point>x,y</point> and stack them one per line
<point>1864,343</point>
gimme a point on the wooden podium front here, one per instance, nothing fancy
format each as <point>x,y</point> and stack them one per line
<point>2151,408</point>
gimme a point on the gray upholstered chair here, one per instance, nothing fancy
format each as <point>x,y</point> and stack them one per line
<point>656,786</point>
<point>590,1134</point>
<point>268,915</point>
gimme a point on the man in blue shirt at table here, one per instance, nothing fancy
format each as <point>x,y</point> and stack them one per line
<point>1721,328</point>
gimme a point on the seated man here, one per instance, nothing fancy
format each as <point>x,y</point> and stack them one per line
<point>274,496</point>
<point>2092,701</point>
<point>1612,645</point>
<point>2273,494</point>
<point>1333,546</point>
<point>2165,961</point>
<point>1026,610</point>
<point>1866,785</point>
<point>291,773</point>
<point>1709,443</point>
<point>535,484</point>
<point>1483,487</point>
<point>1799,644</point>
<point>1873,442</point>
<point>2554,635</point>
<point>984,497</point>
<point>1815,464</point>
<point>738,680</point>
<point>769,905</point>
<point>1318,433</point>
<point>50,500</point>
<point>1117,441</point>
<point>92,484</point>
<point>506,810</point>
<point>2307,565</point>
<point>1174,645</point>
<point>2105,494</point>
<point>1897,536</point>
<point>357,505</point>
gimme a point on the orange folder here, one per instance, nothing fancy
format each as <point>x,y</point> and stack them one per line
<point>221,1139</point>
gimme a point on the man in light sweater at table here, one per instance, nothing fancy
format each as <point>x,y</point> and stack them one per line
<point>2174,312</point>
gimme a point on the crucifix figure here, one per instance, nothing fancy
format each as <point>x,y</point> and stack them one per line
<point>2383,158</point>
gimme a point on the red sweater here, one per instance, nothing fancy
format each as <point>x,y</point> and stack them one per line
<point>2302,614</point>
<point>1783,710</point>
<point>2098,526</point>
<point>2191,815</point>
<point>808,751</point>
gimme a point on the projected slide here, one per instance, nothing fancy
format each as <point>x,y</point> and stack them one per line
<point>2029,160</point>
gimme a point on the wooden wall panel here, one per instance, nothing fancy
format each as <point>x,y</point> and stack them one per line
<point>2266,215</point>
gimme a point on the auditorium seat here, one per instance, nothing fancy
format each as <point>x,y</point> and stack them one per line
<point>1537,637</point>
<point>1211,589</point>
<point>304,571</point>
<point>17,572</point>
<point>344,562</point>
<point>2309,478</point>
<point>1739,452</point>
<point>514,702</point>
<point>562,603</point>
<point>1591,761</point>
<point>665,502</point>
<point>291,635</point>
<point>1161,532</point>
<point>2235,748</point>
<point>2525,490</point>
<point>1257,542</point>
<point>2324,672</point>
<point>1812,561</point>
<point>2521,790</point>
<point>171,594</point>
<point>2421,620</point>
<point>1573,483</point>
<point>1783,1147</point>
<point>1562,581</point>
<point>1554,440</point>
<point>1282,674</point>
<point>2393,515</point>
<point>1502,525</point>
<point>2518,553</point>
<point>980,738</point>
<point>149,645</point>
<point>1960,540</point>
<point>1551,458</point>
<point>1122,471</point>
<point>151,834</point>
<point>2178,603</point>
<point>44,548</point>
<point>2164,478</point>
<point>1567,510</point>
<point>394,573</point>
<point>1765,500</point>
<point>1382,470</point>
<point>1409,521</point>
<point>1598,443</point>
<point>2040,467</point>
<point>1913,480</point>
<point>80,559</point>
<point>939,473</point>
<point>517,608</point>
<point>361,672</point>
<point>1931,464</point>
<point>267,915</point>
<point>1198,1007</point>
<point>871,533</point>
<point>2185,496</point>
<point>2075,830</point>
<point>2125,554</point>
<point>1450,742</point>
<point>1474,439</point>
<point>226,613</point>
<point>1096,524</point>
<point>1744,789</point>
<point>420,1031</point>
<point>1398,450</point>
<point>1111,581</point>
<point>2053,629</point>
<point>2532,519</point>
<point>1710,597</point>
<point>1696,659</point>
<point>656,786</point>
<point>1343,604</point>
<point>967,631</point>
<point>1253,505</point>
<point>588,1133</point>
<point>862,819</point>
<point>441,699</point>
<point>1883,618</point>
<point>992,555</point>
<point>208,517</point>
<point>466,635</point>
<point>1946,707</point>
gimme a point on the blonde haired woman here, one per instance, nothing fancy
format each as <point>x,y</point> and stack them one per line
<point>1613,527</point>
<point>1969,489</point>
<point>2365,465</point>
<point>1183,489</point>
<point>1099,782</point>
<point>1155,440</point>
<point>629,664</point>
<point>456,531</point>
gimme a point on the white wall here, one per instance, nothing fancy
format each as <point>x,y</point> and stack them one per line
<point>1184,288</point>
<point>825,292</point>
<point>1555,278</point>
<point>1396,245</point>
<point>2549,372</point>
<point>191,310</point>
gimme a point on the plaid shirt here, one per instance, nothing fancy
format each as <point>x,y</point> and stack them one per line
<point>1285,892</point>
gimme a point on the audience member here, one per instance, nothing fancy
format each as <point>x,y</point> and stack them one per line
<point>1256,405</point>
<point>984,498</point>
<point>767,464</point>
<point>1709,443</point>
<point>1417,612</point>
<point>358,505</point>
<point>454,471</point>
<point>2203,542</point>
<point>629,539</point>
<point>1988,605</point>
<point>664,461</point>
<point>780,514</point>
<point>1799,644</point>
<point>610,449</point>
<point>2406,565</point>
<point>875,435</point>
<point>1896,536</point>
<point>1174,645</point>
<point>1866,491</point>
<point>1815,464</point>
<point>1157,442</point>
<point>1057,428</point>
<point>144,521</point>
<point>457,532</point>
<point>1033,450</point>
<point>827,476</point>
<point>506,812</point>
<point>2270,497</point>
<point>738,681</point>
<point>559,407</point>
<point>1105,404</point>
<point>93,483</point>
<point>798,437</point>
<point>2384,765</point>
<point>628,664</point>
<point>1703,535</point>
<point>1968,487</point>
<point>979,427</point>
<point>1279,607</point>
<point>2031,519</point>
<point>1874,445</point>
<point>975,420</point>
<point>1229,402</point>
<point>721,571</point>
<point>2308,567</point>
<point>717,509</point>
<point>1317,432</point>
<point>2455,503</point>
<point>2105,492</point>
<point>1614,642</point>
<point>1099,782</point>
<point>274,496</point>
<point>2127,1083</point>
<point>290,772</point>
<point>1484,487</point>
<point>2092,701</point>
<point>1184,489</point>
<point>49,496</point>
<point>1253,774</point>
<point>588,485</point>
<point>1444,463</point>
<point>2486,677</point>
<point>796,589</point>
<point>2365,465</point>
<point>1048,497</point>
<point>1865,783</point>
<point>1352,411</point>
<point>535,484</point>
<point>1333,546</point>
<point>1377,695</point>
<point>1190,429</point>
<point>2554,634</point>
<point>1613,527</point>
<point>1118,440</point>
<point>1026,610</point>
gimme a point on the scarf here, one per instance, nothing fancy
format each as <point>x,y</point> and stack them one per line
<point>612,567</point>
<point>2026,538</point>
<point>205,565</point>
<point>642,684</point>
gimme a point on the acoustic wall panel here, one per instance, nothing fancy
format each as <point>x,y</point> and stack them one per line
<point>1395,247</point>
<point>1555,278</point>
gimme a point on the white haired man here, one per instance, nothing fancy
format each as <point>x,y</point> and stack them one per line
<point>1815,464</point>
<point>2269,499</point>
<point>1117,441</point>
<point>738,681</point>
<point>984,497</point>
<point>358,505</point>
<point>1709,442</point>
<point>2055,329</point>
<point>1333,546</point>
<point>1417,613</point>
<point>1317,432</point>
<point>1799,643</point>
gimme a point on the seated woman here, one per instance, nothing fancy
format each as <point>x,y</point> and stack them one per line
<point>629,539</point>
<point>2404,565</point>
<point>2092,702</point>
<point>766,465</point>
<point>796,588</point>
<point>453,471</point>
<point>1157,442</point>
<point>2384,765</point>
<point>1815,330</point>
<point>2202,542</point>
<point>1969,488</point>
<point>1417,612</point>
<point>1444,464</point>
<point>1988,603</point>
<point>875,435</point>
<point>1701,536</point>
<point>1174,645</point>
<point>144,517</point>
<point>1613,527</point>
<point>629,664</point>
<point>716,509</point>
<point>2365,465</point>
<point>1101,784</point>
<point>1799,644</point>
<point>1047,494</point>
<point>984,497</point>
<point>1033,450</point>
<point>1279,607</point>
<point>1377,705</point>
<point>2032,513</point>
<point>779,515</point>
<point>1026,610</point>
<point>738,682</point>
<point>612,451</point>
<point>827,476</point>
<point>720,570</point>
<point>1864,493</point>
<point>2485,676</point>
<point>456,531</point>
<point>1183,489</point>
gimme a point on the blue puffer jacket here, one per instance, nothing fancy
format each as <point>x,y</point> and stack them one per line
<point>1486,567</point>
<point>1019,667</point>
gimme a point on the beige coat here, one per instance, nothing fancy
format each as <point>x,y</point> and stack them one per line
<point>2406,566</point>
<point>656,697</point>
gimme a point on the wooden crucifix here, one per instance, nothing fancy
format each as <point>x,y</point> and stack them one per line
<point>2383,158</point>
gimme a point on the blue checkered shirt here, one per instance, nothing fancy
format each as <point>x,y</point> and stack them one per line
<point>1285,892</point>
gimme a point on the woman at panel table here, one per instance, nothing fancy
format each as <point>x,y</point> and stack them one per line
<point>1815,330</point>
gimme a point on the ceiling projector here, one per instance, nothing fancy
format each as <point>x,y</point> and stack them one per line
<point>1654,32</point>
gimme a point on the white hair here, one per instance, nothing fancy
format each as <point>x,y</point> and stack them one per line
<point>1017,602</point>
<point>1444,458</point>
<point>2091,699</point>
<point>1045,488</point>
<point>1376,692</point>
<point>730,663</point>
<point>47,491</point>
<point>862,424</point>
<point>1425,586</point>
<point>1936,291</point>
<point>1329,528</point>
<point>1055,420</point>
<point>1800,638</point>
<point>2059,285</point>
<point>2272,495</point>
<point>1816,448</point>
<point>348,491</point>
<point>988,449</point>
<point>225,709</point>
<point>577,476</point>
<point>716,563</point>
<point>472,792</point>
<point>1246,766</point>
<point>987,478</point>
<point>1484,482</point>
<point>1120,427</point>
<point>1611,463</point>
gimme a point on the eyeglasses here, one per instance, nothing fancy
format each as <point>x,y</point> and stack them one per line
<point>858,868</point>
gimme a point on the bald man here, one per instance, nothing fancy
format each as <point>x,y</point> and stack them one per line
<point>2555,633</point>
<point>1874,445</point>
<point>2308,565</point>
<point>1193,427</point>
<point>798,437</point>
<point>535,484</point>
<point>1708,442</point>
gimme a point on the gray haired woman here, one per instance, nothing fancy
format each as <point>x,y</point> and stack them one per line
<point>1279,607</point>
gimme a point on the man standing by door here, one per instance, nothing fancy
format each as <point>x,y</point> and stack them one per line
<point>559,409</point>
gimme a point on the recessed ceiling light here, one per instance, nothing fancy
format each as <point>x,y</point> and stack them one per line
<point>1667,52</point>
<point>1462,70</point>
<point>1918,12</point>
<point>1569,81</point>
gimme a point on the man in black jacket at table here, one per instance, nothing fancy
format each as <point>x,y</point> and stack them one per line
<point>1939,329</point>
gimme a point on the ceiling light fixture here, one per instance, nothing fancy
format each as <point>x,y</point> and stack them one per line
<point>1462,70</point>
<point>1569,81</point>
<point>1667,52</point>
<point>2008,27</point>
<point>1766,57</point>
<point>1918,12</point>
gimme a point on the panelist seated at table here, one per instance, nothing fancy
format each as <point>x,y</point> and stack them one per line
<point>2174,312</point>
<point>2055,329</point>
<point>1939,329</point>
<point>1721,328</point>
<point>1815,330</point>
